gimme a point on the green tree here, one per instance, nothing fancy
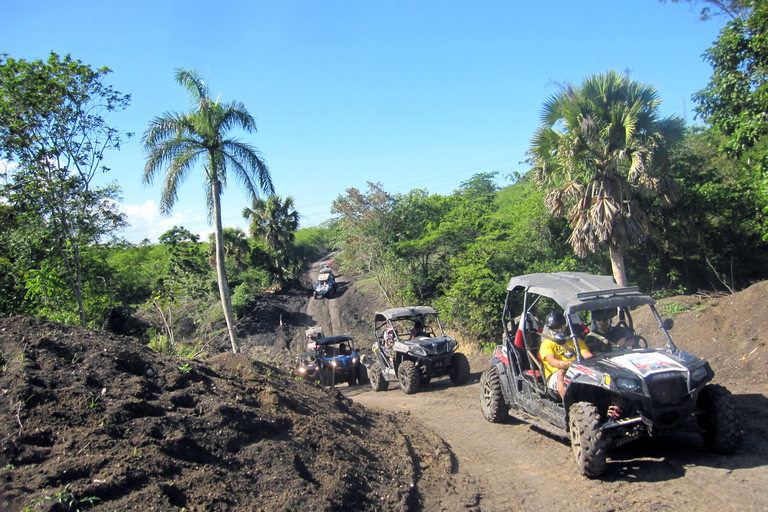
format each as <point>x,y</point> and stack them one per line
<point>277,221</point>
<point>52,125</point>
<point>176,142</point>
<point>712,8</point>
<point>736,99</point>
<point>596,153</point>
<point>236,247</point>
<point>363,224</point>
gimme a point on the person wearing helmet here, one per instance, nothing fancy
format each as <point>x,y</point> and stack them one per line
<point>417,330</point>
<point>605,335</point>
<point>556,354</point>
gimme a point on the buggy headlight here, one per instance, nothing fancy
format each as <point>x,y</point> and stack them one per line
<point>354,360</point>
<point>334,363</point>
<point>627,384</point>
<point>302,370</point>
<point>699,374</point>
<point>419,351</point>
<point>452,344</point>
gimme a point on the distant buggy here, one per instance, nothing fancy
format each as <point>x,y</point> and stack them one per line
<point>326,283</point>
<point>411,348</point>
<point>617,396</point>
<point>334,360</point>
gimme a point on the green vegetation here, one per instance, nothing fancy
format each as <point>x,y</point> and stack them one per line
<point>669,208</point>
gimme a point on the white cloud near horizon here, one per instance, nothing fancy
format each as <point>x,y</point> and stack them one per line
<point>146,222</point>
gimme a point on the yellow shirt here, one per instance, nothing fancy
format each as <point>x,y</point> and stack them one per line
<point>551,347</point>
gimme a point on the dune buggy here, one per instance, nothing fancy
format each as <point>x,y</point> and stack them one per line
<point>614,397</point>
<point>326,283</point>
<point>334,360</point>
<point>411,348</point>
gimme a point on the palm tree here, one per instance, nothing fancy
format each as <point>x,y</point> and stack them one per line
<point>176,142</point>
<point>235,246</point>
<point>595,152</point>
<point>276,221</point>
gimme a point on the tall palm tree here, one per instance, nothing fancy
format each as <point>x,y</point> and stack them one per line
<point>176,142</point>
<point>596,153</point>
<point>276,221</point>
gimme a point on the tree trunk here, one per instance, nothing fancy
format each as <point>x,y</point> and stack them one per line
<point>221,273</point>
<point>617,263</point>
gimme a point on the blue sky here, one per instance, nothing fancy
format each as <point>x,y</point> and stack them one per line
<point>411,93</point>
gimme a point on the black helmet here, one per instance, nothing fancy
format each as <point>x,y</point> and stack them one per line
<point>555,321</point>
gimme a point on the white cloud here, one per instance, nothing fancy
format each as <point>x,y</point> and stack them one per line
<point>146,222</point>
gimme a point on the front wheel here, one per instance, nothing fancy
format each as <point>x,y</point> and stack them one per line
<point>376,378</point>
<point>492,403</point>
<point>721,425</point>
<point>410,380</point>
<point>459,372</point>
<point>587,439</point>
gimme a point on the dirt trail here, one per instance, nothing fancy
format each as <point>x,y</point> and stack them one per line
<point>514,467</point>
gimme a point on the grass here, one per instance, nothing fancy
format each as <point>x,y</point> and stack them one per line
<point>674,308</point>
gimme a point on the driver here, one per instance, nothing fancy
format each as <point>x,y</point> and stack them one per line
<point>418,330</point>
<point>608,334</point>
<point>558,357</point>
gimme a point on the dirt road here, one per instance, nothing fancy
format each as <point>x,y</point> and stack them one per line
<point>514,467</point>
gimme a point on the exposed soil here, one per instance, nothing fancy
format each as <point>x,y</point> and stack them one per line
<point>88,414</point>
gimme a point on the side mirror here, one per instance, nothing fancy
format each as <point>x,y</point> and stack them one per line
<point>668,324</point>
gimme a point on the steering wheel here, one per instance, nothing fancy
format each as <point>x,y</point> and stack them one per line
<point>596,343</point>
<point>636,341</point>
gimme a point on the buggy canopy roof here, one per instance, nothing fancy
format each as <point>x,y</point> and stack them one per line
<point>402,313</point>
<point>577,291</point>
<point>330,340</point>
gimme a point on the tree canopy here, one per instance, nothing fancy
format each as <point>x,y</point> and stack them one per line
<point>596,152</point>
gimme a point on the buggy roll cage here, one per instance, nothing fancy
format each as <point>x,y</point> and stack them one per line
<point>574,292</point>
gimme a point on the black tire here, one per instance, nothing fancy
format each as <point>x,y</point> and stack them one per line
<point>721,426</point>
<point>459,371</point>
<point>315,294</point>
<point>410,380</point>
<point>492,402</point>
<point>376,378</point>
<point>587,439</point>
<point>352,379</point>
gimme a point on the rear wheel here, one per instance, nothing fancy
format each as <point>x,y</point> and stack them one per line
<point>376,377</point>
<point>492,402</point>
<point>721,426</point>
<point>410,380</point>
<point>587,439</point>
<point>459,372</point>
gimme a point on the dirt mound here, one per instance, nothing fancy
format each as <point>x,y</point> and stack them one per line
<point>727,330</point>
<point>91,417</point>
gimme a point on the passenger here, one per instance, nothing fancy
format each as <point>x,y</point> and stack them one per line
<point>390,336</point>
<point>558,357</point>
